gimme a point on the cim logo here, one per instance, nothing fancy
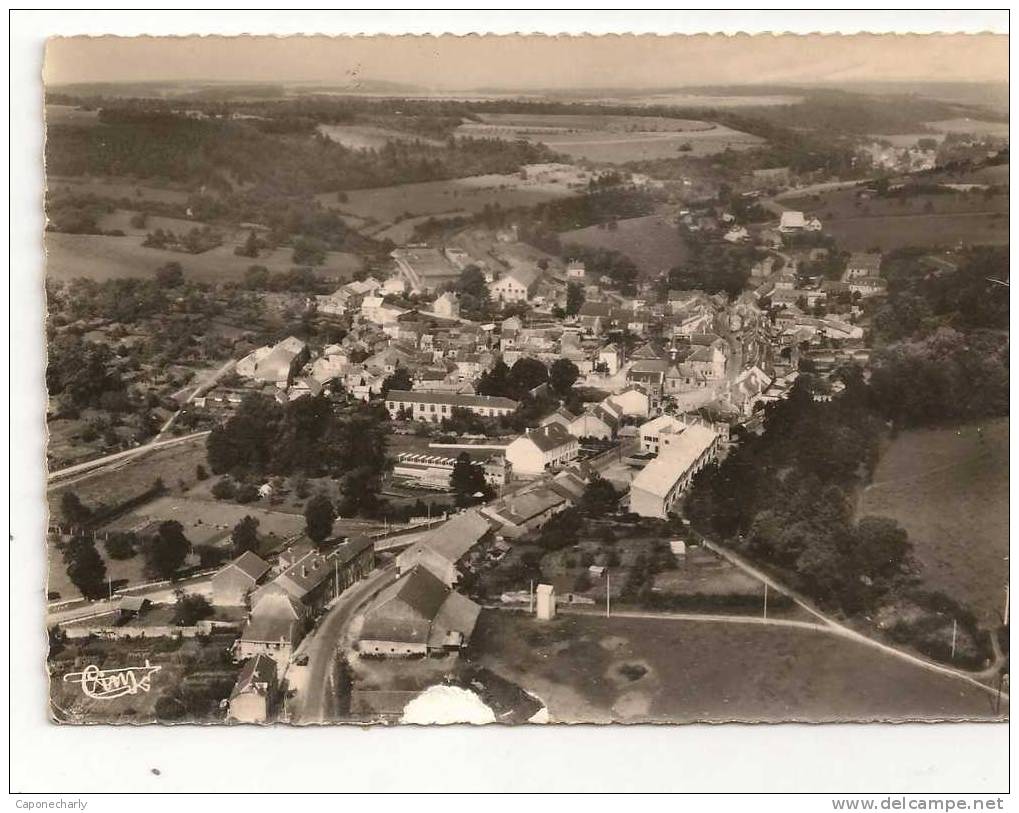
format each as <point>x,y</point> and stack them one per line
<point>109,684</point>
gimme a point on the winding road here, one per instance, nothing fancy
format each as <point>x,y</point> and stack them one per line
<point>315,701</point>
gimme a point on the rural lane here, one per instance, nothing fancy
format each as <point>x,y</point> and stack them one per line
<point>841,629</point>
<point>93,466</point>
<point>316,704</point>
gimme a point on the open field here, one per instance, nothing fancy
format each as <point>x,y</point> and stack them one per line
<point>653,242</point>
<point>594,669</point>
<point>117,188</point>
<point>101,257</point>
<point>705,100</point>
<point>382,207</point>
<point>613,139</point>
<point>906,139</point>
<point>918,220</point>
<point>209,522</point>
<point>366,137</point>
<point>992,174</point>
<point>69,114</point>
<point>888,233</point>
<point>120,219</point>
<point>120,482</point>
<point>974,126</point>
<point>949,489</point>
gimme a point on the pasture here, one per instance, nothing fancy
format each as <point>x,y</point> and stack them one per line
<point>381,208</point>
<point>102,257</point>
<point>366,137</point>
<point>949,489</point>
<point>886,223</point>
<point>70,114</point>
<point>898,231</point>
<point>613,139</point>
<point>117,188</point>
<point>653,242</point>
<point>974,126</point>
<point>588,668</point>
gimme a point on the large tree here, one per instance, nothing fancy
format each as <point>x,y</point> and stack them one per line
<point>574,298</point>
<point>563,375</point>
<point>87,570</point>
<point>167,550</point>
<point>526,374</point>
<point>399,380</point>
<point>467,481</point>
<point>319,516</point>
<point>600,497</point>
<point>245,535</point>
<point>73,509</point>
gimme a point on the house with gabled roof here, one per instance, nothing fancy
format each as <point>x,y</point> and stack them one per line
<point>516,285</point>
<point>256,694</point>
<point>442,548</point>
<point>416,615</point>
<point>542,449</point>
<point>233,582</point>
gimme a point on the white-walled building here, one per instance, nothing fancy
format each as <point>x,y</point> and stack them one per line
<point>545,598</point>
<point>657,487</point>
<point>542,449</point>
<point>434,406</point>
<point>517,285</point>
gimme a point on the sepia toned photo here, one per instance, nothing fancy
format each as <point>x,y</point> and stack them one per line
<point>527,379</point>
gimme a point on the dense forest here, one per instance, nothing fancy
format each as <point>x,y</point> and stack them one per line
<point>942,338</point>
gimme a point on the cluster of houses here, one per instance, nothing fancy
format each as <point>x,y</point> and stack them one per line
<point>282,601</point>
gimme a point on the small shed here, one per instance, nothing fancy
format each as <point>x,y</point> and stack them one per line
<point>133,606</point>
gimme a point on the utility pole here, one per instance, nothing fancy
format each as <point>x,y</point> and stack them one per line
<point>530,598</point>
<point>955,629</point>
<point>109,584</point>
<point>765,600</point>
<point>608,593</point>
<point>336,577</point>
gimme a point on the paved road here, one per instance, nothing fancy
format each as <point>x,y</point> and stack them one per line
<point>316,706</point>
<point>162,594</point>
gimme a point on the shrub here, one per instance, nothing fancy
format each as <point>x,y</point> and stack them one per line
<point>224,489</point>
<point>121,545</point>
<point>245,493</point>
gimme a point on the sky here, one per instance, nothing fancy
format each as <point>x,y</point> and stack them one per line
<point>534,62</point>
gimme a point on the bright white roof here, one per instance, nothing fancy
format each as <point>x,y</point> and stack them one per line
<point>661,474</point>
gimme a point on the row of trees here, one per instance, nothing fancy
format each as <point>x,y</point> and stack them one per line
<point>165,553</point>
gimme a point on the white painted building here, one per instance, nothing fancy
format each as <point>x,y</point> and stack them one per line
<point>657,487</point>
<point>540,450</point>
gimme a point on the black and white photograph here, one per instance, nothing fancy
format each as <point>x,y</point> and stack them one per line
<point>524,380</point>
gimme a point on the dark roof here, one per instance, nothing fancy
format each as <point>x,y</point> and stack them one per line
<point>134,604</point>
<point>870,262</point>
<point>549,437</point>
<point>422,591</point>
<point>250,564</point>
<point>595,309</point>
<point>454,538</point>
<point>351,549</point>
<point>305,574</point>
<point>259,669</point>
<point>404,611</point>
<point>451,398</point>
